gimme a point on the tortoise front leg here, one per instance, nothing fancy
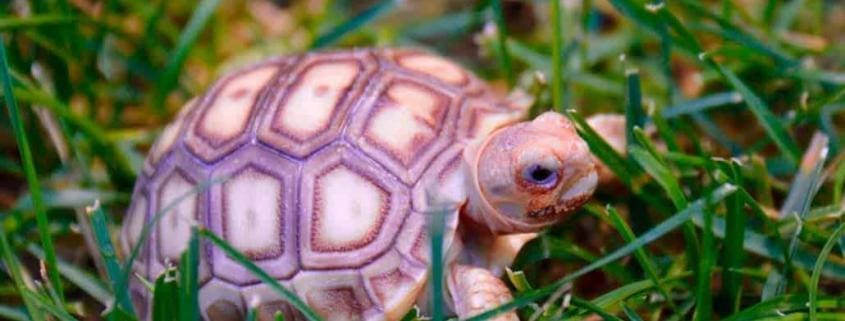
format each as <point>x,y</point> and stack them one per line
<point>475,290</point>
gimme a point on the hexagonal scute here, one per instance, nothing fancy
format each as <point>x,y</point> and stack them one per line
<point>406,126</point>
<point>336,295</point>
<point>226,111</point>
<point>180,205</point>
<point>350,209</point>
<point>394,284</point>
<point>221,302</point>
<point>174,229</point>
<point>253,209</point>
<point>308,111</point>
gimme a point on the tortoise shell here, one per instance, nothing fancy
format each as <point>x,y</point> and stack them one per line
<point>319,166</point>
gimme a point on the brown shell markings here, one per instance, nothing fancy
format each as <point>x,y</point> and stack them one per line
<point>325,160</point>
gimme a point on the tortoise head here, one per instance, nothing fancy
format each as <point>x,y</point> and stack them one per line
<point>529,175</point>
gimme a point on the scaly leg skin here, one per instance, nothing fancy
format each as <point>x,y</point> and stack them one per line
<point>475,290</point>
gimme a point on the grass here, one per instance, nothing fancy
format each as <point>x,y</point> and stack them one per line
<point>30,173</point>
<point>728,204</point>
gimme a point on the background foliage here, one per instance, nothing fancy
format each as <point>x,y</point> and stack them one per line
<point>728,203</point>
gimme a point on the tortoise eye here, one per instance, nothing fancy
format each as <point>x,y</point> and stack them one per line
<point>540,175</point>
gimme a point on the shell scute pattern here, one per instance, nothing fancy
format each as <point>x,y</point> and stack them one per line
<point>224,120</point>
<point>339,295</point>
<point>406,125</point>
<point>173,195</point>
<point>254,210</point>
<point>316,168</point>
<point>309,108</point>
<point>350,211</point>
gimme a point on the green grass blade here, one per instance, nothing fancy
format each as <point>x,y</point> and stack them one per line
<point>642,258</point>
<point>827,125</point>
<point>368,15</point>
<point>166,296</point>
<point>626,291</point>
<point>437,225</point>
<point>46,306</point>
<point>634,113</point>
<point>291,297</point>
<point>30,173</point>
<point>589,306</point>
<point>9,166</point>
<point>838,183</point>
<point>665,131</point>
<point>14,314</point>
<point>661,174</point>
<point>717,133</point>
<point>656,232</point>
<point>733,253</point>
<point>12,23</point>
<point>540,61</point>
<point>703,295</point>
<point>189,274</point>
<point>773,126</point>
<point>817,269</point>
<point>775,307</point>
<point>116,161</point>
<point>168,79</point>
<point>557,57</point>
<point>773,248</point>
<point>730,31</point>
<point>84,280</point>
<point>501,44</point>
<point>808,179</point>
<point>251,314</point>
<point>646,143</point>
<point>824,102</point>
<point>786,15</point>
<point>702,104</point>
<point>801,193</point>
<point>518,279</point>
<point>13,268</point>
<point>545,247</point>
<point>99,225</point>
<point>602,150</point>
<point>648,19</point>
<point>444,26</point>
<point>632,315</point>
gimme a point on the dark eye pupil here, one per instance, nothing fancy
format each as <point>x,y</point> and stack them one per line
<point>541,175</point>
